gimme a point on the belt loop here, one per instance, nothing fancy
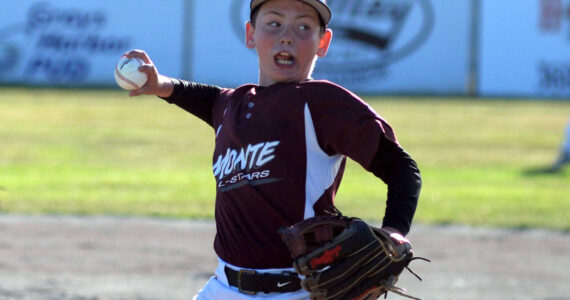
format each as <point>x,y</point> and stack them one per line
<point>247,272</point>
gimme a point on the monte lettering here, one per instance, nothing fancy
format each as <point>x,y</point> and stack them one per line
<point>244,159</point>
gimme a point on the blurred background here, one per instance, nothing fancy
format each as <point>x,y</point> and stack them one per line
<point>485,48</point>
<point>478,92</point>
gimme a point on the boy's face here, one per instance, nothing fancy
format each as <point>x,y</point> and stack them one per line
<point>288,38</point>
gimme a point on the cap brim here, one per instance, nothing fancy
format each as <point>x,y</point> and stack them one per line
<point>323,10</point>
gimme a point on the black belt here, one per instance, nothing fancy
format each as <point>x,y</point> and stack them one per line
<point>250,282</point>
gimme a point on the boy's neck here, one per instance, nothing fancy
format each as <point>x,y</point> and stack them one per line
<point>283,82</point>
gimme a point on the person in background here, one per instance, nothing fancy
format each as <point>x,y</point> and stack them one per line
<point>564,155</point>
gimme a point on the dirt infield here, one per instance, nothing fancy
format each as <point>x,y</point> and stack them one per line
<point>136,258</point>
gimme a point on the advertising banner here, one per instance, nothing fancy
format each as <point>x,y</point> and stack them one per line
<point>378,46</point>
<point>78,43</point>
<point>525,48</point>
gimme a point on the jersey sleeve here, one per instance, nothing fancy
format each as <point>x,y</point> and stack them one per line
<point>400,172</point>
<point>345,124</point>
<point>195,98</point>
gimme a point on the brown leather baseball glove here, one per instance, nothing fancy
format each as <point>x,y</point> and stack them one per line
<point>345,258</point>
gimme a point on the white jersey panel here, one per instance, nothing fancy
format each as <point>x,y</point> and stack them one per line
<point>321,168</point>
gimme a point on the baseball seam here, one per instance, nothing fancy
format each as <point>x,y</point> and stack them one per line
<point>128,81</point>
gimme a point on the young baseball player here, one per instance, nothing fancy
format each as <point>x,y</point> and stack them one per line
<point>281,147</point>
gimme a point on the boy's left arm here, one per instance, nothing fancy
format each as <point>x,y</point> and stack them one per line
<point>401,174</point>
<point>347,125</point>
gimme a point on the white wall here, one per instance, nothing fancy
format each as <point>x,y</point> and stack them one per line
<point>379,46</point>
<point>525,48</point>
<point>77,43</point>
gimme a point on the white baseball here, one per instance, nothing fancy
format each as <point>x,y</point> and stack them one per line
<point>127,73</point>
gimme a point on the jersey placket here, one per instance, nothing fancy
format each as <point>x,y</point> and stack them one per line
<point>250,105</point>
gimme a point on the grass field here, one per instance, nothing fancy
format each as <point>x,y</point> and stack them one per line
<point>101,152</point>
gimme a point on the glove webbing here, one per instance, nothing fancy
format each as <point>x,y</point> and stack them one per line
<point>390,287</point>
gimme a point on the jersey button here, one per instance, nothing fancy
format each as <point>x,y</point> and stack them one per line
<point>250,105</point>
<point>248,115</point>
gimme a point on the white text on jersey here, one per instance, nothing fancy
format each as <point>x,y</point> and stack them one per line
<point>244,159</point>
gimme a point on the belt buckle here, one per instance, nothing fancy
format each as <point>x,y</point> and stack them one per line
<point>248,272</point>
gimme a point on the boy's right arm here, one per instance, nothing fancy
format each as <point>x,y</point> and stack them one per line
<point>195,98</point>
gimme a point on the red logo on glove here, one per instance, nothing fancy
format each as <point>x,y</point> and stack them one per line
<point>328,257</point>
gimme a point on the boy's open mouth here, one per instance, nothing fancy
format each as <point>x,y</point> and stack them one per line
<point>284,59</point>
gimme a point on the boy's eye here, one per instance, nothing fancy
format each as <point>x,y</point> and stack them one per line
<point>273,24</point>
<point>303,27</point>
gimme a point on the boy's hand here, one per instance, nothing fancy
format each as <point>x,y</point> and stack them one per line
<point>156,84</point>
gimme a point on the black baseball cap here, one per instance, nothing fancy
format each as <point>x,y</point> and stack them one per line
<point>319,5</point>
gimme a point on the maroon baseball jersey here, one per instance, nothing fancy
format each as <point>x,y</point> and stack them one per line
<point>279,157</point>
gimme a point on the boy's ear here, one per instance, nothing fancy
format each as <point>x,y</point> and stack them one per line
<point>324,43</point>
<point>249,31</point>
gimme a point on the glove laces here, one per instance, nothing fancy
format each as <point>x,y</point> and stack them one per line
<point>390,286</point>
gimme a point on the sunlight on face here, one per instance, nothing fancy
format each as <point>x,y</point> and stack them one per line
<point>288,39</point>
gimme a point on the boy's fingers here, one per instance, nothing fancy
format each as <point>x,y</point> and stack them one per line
<point>151,73</point>
<point>148,69</point>
<point>138,92</point>
<point>134,53</point>
<point>139,54</point>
